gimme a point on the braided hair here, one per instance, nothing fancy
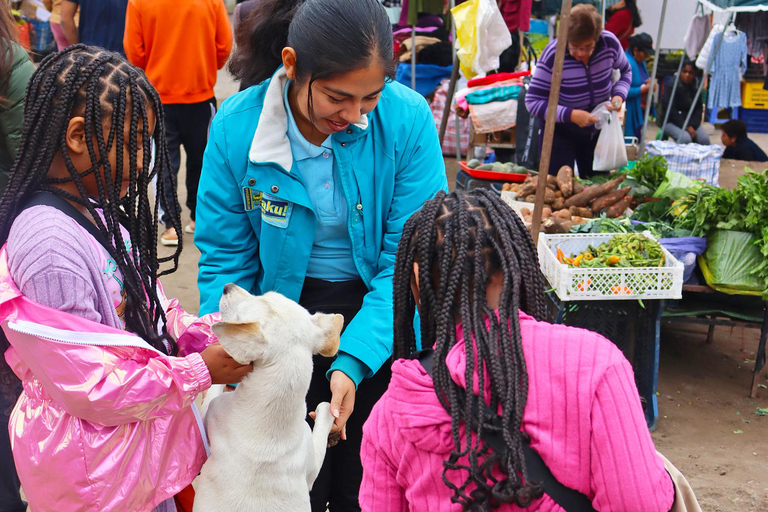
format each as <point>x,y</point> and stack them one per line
<point>109,94</point>
<point>461,241</point>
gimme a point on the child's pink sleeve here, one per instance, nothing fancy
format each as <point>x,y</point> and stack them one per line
<point>627,474</point>
<point>192,334</point>
<point>379,490</point>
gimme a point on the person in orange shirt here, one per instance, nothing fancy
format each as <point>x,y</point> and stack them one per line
<point>181,46</point>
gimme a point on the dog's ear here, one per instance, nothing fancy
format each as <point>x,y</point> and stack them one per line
<point>330,327</point>
<point>245,342</point>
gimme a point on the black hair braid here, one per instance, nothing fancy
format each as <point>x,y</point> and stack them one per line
<point>465,240</point>
<point>106,91</point>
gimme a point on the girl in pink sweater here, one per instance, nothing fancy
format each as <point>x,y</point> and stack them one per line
<point>467,263</point>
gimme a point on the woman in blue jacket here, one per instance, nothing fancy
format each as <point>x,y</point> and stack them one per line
<point>640,48</point>
<point>307,181</point>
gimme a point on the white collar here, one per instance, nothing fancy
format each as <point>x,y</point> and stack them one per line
<point>270,142</point>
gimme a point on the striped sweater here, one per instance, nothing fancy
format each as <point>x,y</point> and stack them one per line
<point>582,87</point>
<point>583,415</point>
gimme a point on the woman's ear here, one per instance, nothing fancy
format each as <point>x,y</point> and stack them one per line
<point>75,136</point>
<point>289,62</point>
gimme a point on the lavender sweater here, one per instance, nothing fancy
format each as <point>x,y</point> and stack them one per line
<point>57,263</point>
<point>583,87</point>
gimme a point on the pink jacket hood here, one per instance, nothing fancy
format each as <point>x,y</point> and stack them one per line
<point>105,422</point>
<point>424,421</point>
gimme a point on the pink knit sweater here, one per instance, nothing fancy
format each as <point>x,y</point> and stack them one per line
<point>583,416</point>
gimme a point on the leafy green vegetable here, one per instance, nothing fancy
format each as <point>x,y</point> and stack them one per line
<point>658,229</point>
<point>653,211</point>
<point>650,171</point>
<point>743,209</point>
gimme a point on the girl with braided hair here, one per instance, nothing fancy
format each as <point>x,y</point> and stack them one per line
<point>467,264</point>
<point>110,367</point>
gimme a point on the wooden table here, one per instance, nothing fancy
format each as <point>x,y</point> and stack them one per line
<point>713,319</point>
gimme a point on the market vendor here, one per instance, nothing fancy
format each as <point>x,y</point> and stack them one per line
<point>640,48</point>
<point>590,58</point>
<point>686,95</point>
<point>307,181</point>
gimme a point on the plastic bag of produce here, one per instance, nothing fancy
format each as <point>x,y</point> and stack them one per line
<point>685,249</point>
<point>610,152</point>
<point>676,186</point>
<point>728,262</point>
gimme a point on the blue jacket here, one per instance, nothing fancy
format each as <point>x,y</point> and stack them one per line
<point>255,225</point>
<point>633,124</point>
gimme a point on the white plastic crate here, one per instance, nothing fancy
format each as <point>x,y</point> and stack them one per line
<point>617,283</point>
<point>511,199</point>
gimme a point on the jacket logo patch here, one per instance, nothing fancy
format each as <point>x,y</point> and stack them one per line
<point>275,211</point>
<point>251,198</point>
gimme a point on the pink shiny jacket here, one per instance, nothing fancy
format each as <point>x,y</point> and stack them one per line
<point>105,421</point>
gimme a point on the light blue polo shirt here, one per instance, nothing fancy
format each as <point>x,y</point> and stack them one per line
<point>331,256</point>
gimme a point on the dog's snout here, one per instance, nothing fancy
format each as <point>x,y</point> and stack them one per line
<point>229,287</point>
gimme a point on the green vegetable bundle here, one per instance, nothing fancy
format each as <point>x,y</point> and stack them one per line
<point>743,209</point>
<point>628,250</point>
<point>650,171</point>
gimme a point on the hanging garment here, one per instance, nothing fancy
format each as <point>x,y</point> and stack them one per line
<point>701,60</point>
<point>697,35</point>
<point>517,14</point>
<point>416,7</point>
<point>727,68</point>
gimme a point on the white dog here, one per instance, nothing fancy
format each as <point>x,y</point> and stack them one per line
<point>264,457</point>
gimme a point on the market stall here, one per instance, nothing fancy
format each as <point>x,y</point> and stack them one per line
<point>714,268</point>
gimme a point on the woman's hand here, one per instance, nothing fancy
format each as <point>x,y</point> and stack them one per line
<point>223,369</point>
<point>692,132</point>
<point>615,104</point>
<point>342,401</point>
<point>582,118</point>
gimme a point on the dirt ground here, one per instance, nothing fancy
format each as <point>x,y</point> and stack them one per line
<point>708,426</point>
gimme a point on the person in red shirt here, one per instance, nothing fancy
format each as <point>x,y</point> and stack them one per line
<point>623,18</point>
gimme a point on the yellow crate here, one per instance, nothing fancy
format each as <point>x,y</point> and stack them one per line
<point>753,95</point>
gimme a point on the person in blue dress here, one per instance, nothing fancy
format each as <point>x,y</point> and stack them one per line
<point>307,181</point>
<point>640,48</point>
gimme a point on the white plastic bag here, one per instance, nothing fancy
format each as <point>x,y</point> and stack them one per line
<point>610,152</point>
<point>481,36</point>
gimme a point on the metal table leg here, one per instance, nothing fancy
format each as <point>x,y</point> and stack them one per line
<point>760,358</point>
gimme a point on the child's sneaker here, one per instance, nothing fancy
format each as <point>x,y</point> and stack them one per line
<point>169,237</point>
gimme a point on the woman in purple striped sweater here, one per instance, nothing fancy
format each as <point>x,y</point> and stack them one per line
<point>590,58</point>
<point>467,263</point>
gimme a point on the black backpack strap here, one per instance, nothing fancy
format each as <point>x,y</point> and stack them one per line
<point>64,206</point>
<point>569,499</point>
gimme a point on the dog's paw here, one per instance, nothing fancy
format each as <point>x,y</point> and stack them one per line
<point>333,439</point>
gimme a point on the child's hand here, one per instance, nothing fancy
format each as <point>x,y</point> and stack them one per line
<point>223,369</point>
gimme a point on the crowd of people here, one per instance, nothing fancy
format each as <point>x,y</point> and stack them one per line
<point>323,180</point>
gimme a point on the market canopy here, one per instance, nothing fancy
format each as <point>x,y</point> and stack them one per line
<point>736,5</point>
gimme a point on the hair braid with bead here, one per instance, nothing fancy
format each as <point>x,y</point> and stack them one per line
<point>460,242</point>
<point>107,92</point>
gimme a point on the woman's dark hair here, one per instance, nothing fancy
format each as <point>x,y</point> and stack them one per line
<point>330,37</point>
<point>632,6</point>
<point>460,241</point>
<point>735,129</point>
<point>586,24</point>
<point>108,92</point>
<point>8,36</point>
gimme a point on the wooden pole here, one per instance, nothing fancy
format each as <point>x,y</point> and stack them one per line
<point>549,129</point>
